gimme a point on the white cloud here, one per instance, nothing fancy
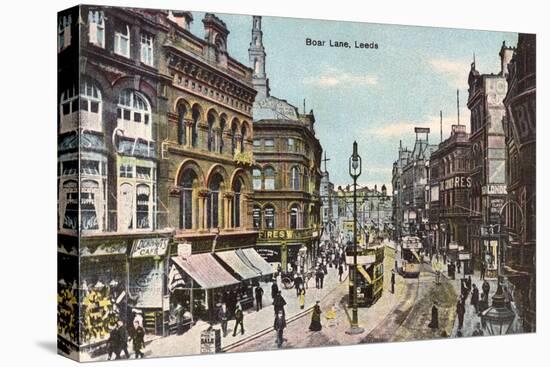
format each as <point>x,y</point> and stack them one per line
<point>331,77</point>
<point>456,72</point>
<point>405,129</point>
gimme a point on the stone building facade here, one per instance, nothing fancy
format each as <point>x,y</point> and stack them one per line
<point>450,186</point>
<point>154,161</point>
<point>520,212</point>
<point>287,172</point>
<point>397,194</point>
<point>487,159</point>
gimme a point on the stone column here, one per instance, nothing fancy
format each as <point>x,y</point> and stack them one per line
<point>203,194</point>
<point>188,132</point>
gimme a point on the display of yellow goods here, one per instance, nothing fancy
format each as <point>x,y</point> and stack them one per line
<point>66,304</point>
<point>99,313</point>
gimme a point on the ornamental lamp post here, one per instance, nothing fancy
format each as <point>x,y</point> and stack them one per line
<point>354,172</point>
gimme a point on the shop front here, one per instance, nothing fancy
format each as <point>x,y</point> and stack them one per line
<point>292,249</point>
<point>205,285</point>
<point>146,285</point>
<point>103,289</point>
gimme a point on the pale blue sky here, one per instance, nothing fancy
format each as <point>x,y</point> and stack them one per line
<point>373,96</point>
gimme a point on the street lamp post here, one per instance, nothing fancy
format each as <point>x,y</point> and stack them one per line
<point>354,172</point>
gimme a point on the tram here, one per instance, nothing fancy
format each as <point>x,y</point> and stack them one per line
<point>410,257</point>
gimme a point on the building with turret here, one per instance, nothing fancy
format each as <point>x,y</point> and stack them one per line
<point>287,171</point>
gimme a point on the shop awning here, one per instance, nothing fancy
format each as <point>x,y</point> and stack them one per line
<point>364,273</point>
<point>243,270</point>
<point>253,258</point>
<point>205,270</point>
<point>175,279</point>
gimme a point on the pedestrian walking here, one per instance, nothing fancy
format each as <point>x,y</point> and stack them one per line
<point>223,316</point>
<point>279,325</point>
<point>434,322</point>
<point>274,289</point>
<point>239,319</point>
<point>113,348</point>
<point>138,340</point>
<point>315,324</point>
<point>318,278</point>
<point>478,331</point>
<point>279,303</point>
<point>297,283</point>
<point>331,316</point>
<point>259,293</point>
<point>322,278</point>
<point>340,272</point>
<point>393,281</point>
<point>474,300</point>
<point>302,298</point>
<point>460,310</point>
<point>279,270</point>
<point>485,287</point>
<point>458,266</point>
<point>122,339</point>
<point>482,271</point>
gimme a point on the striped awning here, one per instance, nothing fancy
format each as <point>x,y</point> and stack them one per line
<point>205,270</point>
<point>255,260</point>
<point>241,268</point>
<point>175,279</point>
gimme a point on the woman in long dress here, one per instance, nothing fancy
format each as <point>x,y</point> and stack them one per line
<point>316,318</point>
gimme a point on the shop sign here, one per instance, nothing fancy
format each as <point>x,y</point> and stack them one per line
<point>493,189</point>
<point>210,341</point>
<point>184,250</point>
<point>464,256</point>
<point>453,246</point>
<point>147,247</point>
<point>270,254</point>
<point>458,182</point>
<point>288,234</point>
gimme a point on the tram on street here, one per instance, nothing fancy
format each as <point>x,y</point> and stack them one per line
<point>410,256</point>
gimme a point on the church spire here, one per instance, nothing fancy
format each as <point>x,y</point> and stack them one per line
<point>256,54</point>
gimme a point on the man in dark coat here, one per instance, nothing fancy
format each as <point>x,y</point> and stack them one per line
<point>482,271</point>
<point>123,339</point>
<point>279,303</point>
<point>113,346</point>
<point>258,294</point>
<point>340,272</point>
<point>318,277</point>
<point>239,319</point>
<point>315,324</point>
<point>274,290</point>
<point>279,325</point>
<point>460,310</point>
<point>434,322</point>
<point>486,288</point>
<point>138,340</point>
<point>474,300</point>
<point>298,283</point>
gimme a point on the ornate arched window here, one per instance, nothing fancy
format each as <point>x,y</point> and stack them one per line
<point>182,138</point>
<point>256,217</point>
<point>211,139</point>
<point>269,217</point>
<point>256,179</point>
<point>294,217</point>
<point>194,127</point>
<point>243,138</point>
<point>143,195</point>
<point>269,178</point>
<point>294,178</point>
<point>133,106</point>
<point>233,137</point>
<point>188,181</point>
<point>237,186</point>
<point>220,134</point>
<point>213,204</point>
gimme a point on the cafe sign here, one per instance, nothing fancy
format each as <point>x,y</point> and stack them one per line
<point>147,247</point>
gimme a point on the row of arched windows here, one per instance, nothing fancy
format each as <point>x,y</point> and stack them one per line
<point>211,208</point>
<point>216,127</point>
